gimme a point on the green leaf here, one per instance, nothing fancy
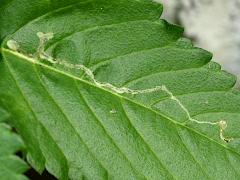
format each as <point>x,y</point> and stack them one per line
<point>77,129</point>
<point>11,166</point>
<point>4,115</point>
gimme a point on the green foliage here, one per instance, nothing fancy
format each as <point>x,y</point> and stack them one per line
<point>79,130</point>
<point>11,166</point>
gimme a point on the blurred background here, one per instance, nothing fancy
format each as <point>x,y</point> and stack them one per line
<point>213,25</point>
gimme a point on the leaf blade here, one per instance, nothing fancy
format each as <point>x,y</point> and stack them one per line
<point>12,167</point>
<point>106,152</point>
<point>197,174</point>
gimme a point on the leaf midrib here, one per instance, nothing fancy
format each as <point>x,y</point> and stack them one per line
<point>67,118</point>
<point>36,62</point>
<point>35,116</point>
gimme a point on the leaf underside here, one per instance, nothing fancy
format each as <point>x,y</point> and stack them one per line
<point>66,121</point>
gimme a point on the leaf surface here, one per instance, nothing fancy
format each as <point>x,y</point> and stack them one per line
<point>11,166</point>
<point>78,130</point>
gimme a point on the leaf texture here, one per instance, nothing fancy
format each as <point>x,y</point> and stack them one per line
<point>78,130</point>
<point>11,166</point>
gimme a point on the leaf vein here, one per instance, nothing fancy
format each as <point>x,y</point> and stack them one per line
<point>66,117</point>
<point>33,61</point>
<point>99,121</point>
<point>145,141</point>
<point>193,157</point>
